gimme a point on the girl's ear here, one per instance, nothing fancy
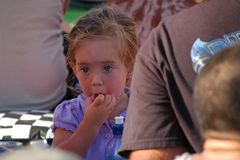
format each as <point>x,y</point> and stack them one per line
<point>73,66</point>
<point>129,79</point>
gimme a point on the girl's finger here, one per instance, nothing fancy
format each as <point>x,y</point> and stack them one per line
<point>108,99</point>
<point>89,100</point>
<point>99,100</point>
<point>113,101</point>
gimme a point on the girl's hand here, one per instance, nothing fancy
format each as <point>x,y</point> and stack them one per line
<point>99,109</point>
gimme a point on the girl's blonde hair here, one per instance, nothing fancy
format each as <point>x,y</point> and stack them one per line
<point>105,22</point>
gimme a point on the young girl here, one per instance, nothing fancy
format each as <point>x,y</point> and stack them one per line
<point>102,50</point>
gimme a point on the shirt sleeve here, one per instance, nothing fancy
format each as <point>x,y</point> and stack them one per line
<point>68,115</point>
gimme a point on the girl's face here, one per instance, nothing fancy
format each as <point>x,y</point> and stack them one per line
<point>99,69</point>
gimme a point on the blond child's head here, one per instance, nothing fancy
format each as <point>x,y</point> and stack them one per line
<point>102,49</point>
<point>106,23</point>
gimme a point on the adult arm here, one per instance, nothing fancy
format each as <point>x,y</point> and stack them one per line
<point>64,25</point>
<point>157,154</point>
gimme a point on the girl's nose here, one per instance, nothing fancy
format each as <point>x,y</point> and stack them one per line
<point>97,80</point>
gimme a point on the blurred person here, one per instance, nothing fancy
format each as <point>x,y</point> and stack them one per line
<point>161,120</point>
<point>216,98</point>
<point>32,64</point>
<point>38,153</point>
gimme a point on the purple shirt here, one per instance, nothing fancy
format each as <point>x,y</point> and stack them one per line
<point>69,114</point>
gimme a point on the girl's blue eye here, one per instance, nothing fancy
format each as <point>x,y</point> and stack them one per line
<point>107,68</point>
<point>84,70</point>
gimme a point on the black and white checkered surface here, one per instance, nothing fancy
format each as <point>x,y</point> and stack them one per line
<point>26,126</point>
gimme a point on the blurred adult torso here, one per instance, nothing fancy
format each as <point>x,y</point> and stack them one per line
<point>32,64</point>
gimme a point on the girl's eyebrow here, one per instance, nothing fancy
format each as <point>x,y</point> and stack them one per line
<point>81,64</point>
<point>108,62</point>
<point>105,62</point>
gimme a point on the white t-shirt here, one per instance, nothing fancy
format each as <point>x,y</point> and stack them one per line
<point>32,65</point>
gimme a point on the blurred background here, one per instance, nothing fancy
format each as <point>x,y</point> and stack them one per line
<point>147,13</point>
<point>77,8</point>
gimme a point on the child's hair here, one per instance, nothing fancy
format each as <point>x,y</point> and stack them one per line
<point>105,22</point>
<point>217,95</point>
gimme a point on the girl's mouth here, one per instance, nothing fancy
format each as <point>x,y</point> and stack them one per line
<point>96,94</point>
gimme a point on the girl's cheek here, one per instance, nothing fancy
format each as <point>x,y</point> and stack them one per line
<point>118,93</point>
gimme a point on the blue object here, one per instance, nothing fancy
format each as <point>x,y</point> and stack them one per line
<point>202,51</point>
<point>6,146</point>
<point>115,142</point>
